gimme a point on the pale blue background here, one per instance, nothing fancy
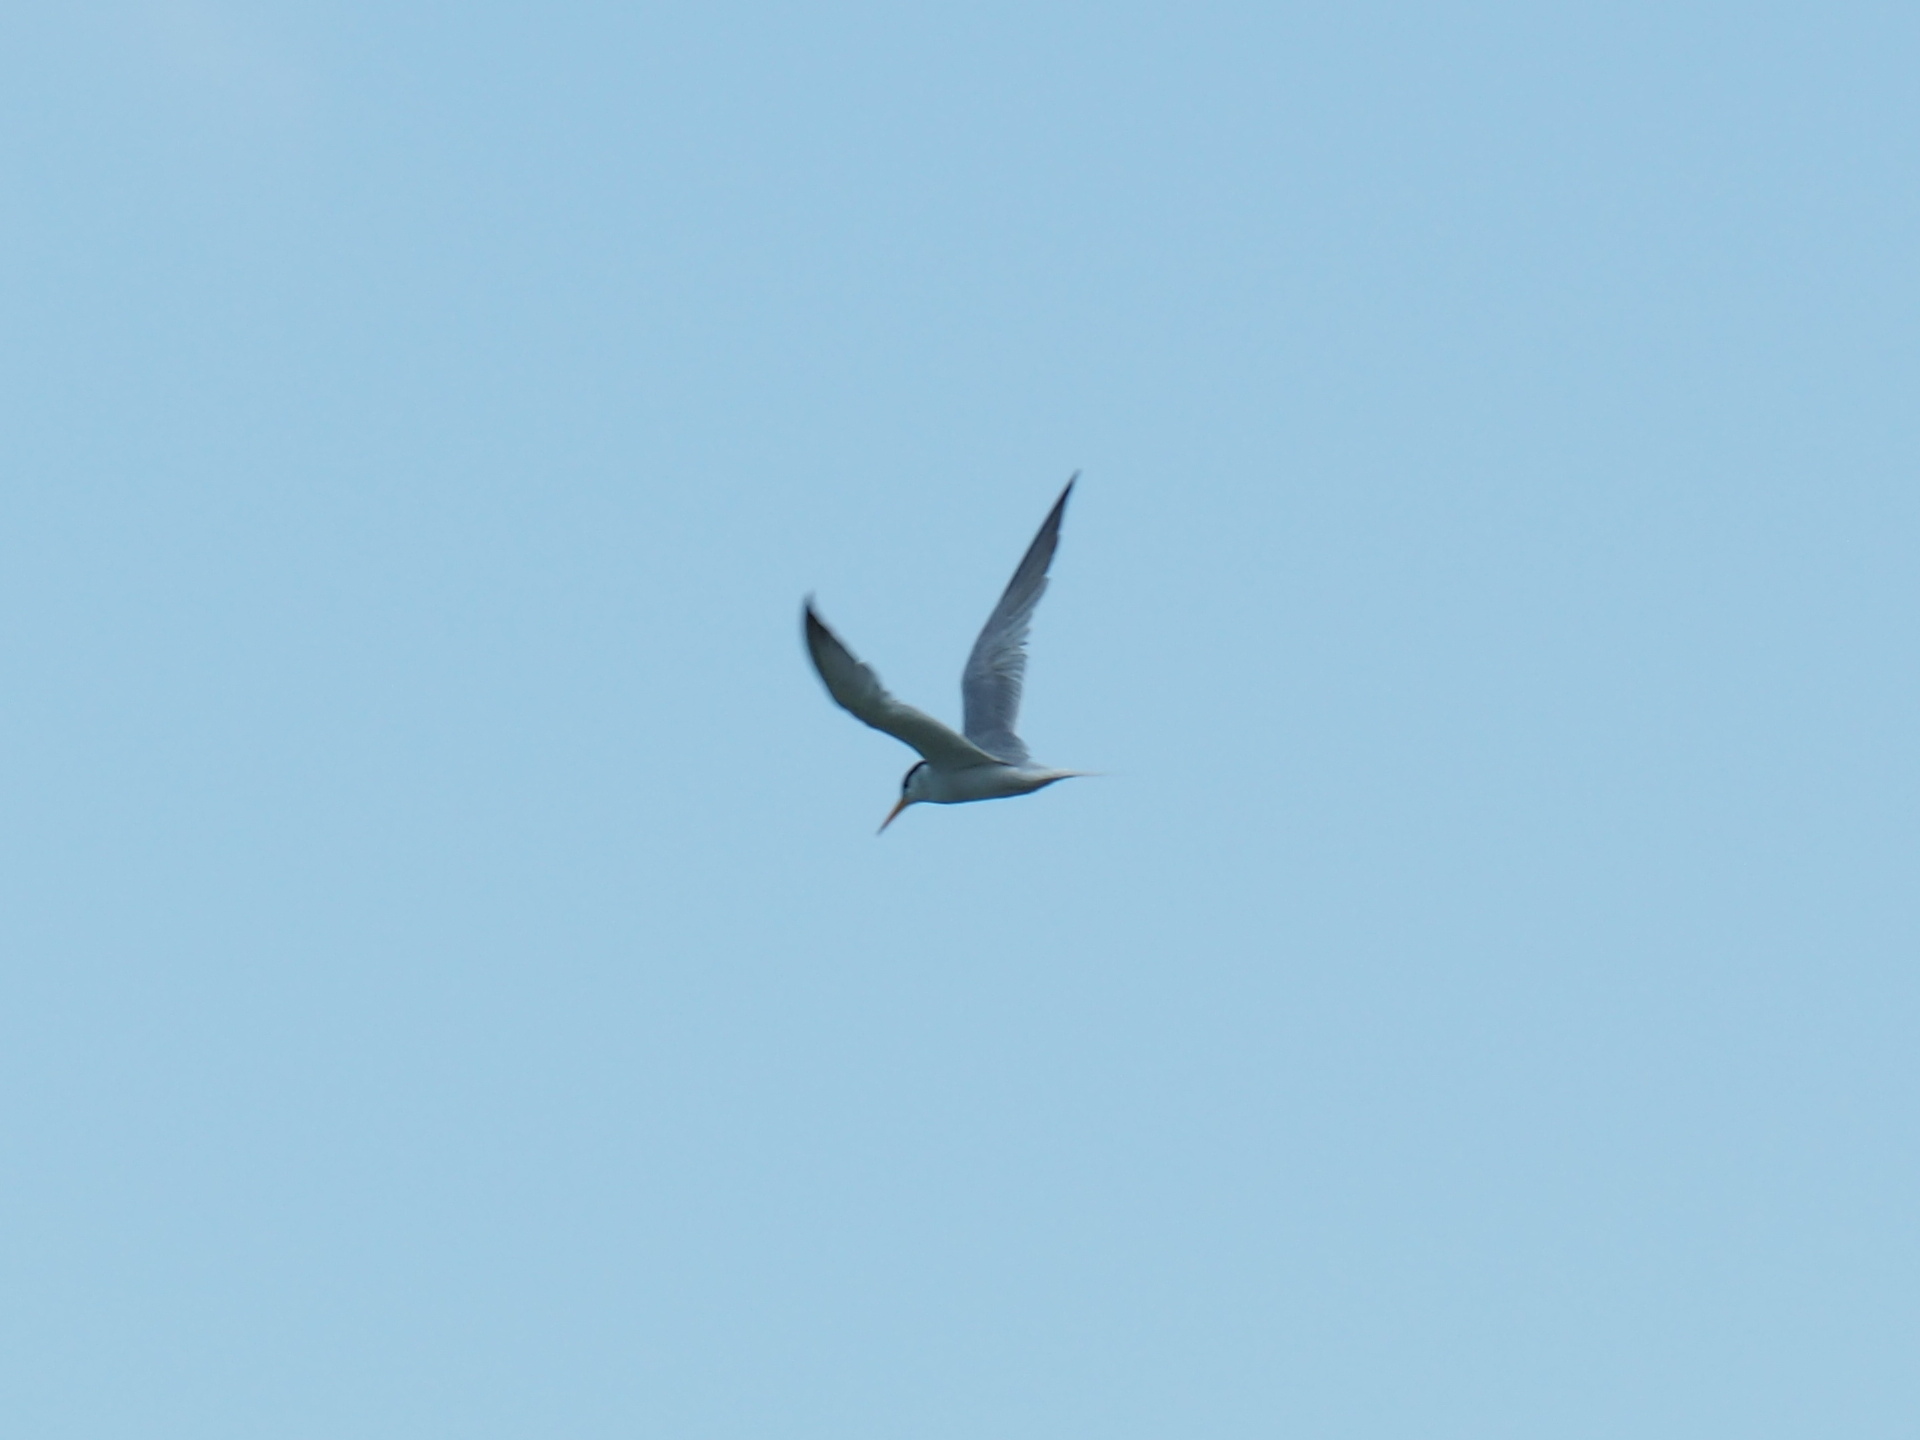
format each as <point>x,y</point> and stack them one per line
<point>451,985</point>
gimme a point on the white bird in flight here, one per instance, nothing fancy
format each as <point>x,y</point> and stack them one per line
<point>989,761</point>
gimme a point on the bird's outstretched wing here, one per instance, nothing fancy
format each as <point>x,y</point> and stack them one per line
<point>990,685</point>
<point>859,692</point>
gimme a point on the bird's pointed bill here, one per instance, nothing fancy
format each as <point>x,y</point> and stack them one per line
<point>891,814</point>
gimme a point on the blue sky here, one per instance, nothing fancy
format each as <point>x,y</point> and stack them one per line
<point>451,983</point>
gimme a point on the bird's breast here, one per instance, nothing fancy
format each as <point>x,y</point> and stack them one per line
<point>984,782</point>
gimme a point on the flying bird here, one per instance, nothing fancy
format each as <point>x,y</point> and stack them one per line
<point>989,761</point>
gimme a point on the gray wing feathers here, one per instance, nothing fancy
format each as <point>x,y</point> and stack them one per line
<point>990,685</point>
<point>858,691</point>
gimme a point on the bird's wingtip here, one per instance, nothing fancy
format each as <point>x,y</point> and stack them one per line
<point>814,630</point>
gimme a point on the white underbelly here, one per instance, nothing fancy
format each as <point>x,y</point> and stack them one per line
<point>987,782</point>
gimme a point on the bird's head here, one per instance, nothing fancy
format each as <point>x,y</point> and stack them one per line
<point>913,786</point>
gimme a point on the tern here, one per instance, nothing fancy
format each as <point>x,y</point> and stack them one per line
<point>989,761</point>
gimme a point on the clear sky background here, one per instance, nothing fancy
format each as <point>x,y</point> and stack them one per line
<point>451,983</point>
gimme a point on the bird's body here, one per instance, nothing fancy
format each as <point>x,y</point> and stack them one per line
<point>995,781</point>
<point>989,760</point>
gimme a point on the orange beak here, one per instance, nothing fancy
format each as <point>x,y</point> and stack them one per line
<point>904,802</point>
